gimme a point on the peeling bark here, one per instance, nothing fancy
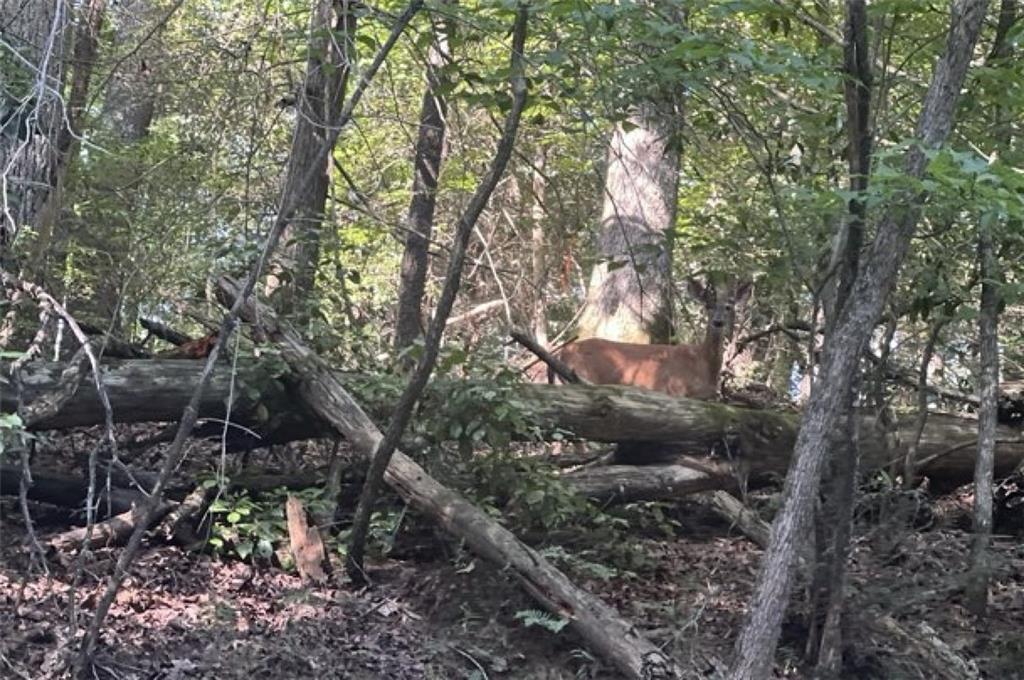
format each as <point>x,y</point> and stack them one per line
<point>629,297</point>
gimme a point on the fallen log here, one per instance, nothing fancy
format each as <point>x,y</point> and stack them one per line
<point>599,625</point>
<point>628,483</point>
<point>761,440</point>
<point>66,491</point>
<point>941,659</point>
<point>743,518</point>
<point>110,532</point>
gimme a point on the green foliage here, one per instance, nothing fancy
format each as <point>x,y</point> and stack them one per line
<point>484,409</point>
<point>381,536</point>
<point>579,564</point>
<point>537,617</point>
<point>12,431</point>
<point>11,421</point>
<point>246,528</point>
<point>250,528</point>
<point>255,528</point>
<point>534,498</point>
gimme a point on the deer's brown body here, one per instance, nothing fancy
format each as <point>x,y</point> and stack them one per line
<point>689,370</point>
<point>679,370</point>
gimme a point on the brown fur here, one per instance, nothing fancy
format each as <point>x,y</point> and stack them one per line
<point>688,370</point>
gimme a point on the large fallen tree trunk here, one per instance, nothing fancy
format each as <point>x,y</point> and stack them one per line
<point>760,440</point>
<point>607,633</point>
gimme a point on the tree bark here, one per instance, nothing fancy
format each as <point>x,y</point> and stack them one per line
<point>65,490</point>
<point>332,28</point>
<point>988,382</point>
<point>837,509</point>
<point>988,374</point>
<point>758,640</point>
<point>629,298</point>
<point>420,219</point>
<point>129,103</point>
<point>30,108</point>
<point>942,661</point>
<point>630,483</point>
<point>84,54</point>
<point>538,252</point>
<point>112,531</point>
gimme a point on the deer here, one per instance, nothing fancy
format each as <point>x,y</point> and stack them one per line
<point>684,370</point>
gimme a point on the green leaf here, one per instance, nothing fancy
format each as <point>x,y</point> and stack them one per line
<point>534,617</point>
<point>244,549</point>
<point>264,548</point>
<point>535,497</point>
<point>11,421</point>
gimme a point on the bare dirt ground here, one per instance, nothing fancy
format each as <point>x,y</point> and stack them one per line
<point>189,615</point>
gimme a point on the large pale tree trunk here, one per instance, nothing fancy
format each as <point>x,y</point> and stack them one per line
<point>857,318</point>
<point>319,104</point>
<point>420,220</point>
<point>629,298</point>
<point>129,103</point>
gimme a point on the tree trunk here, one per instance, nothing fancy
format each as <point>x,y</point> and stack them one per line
<point>941,661</point>
<point>65,490</point>
<point>84,54</point>
<point>31,109</point>
<point>757,642</point>
<point>538,252</point>
<point>837,509</point>
<point>318,108</point>
<point>988,373</point>
<point>988,381</point>
<point>629,298</point>
<point>453,279</point>
<point>420,220</point>
<point>129,103</point>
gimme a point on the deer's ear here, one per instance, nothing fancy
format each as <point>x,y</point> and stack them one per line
<point>695,288</point>
<point>743,292</point>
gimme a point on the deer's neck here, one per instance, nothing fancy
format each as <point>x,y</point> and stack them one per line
<point>712,350</point>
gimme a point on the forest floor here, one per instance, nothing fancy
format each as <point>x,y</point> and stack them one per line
<point>190,615</point>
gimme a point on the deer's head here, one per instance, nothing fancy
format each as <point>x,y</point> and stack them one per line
<point>720,303</point>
